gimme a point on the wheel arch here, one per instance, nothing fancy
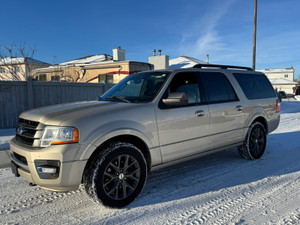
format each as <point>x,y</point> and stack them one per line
<point>261,120</point>
<point>136,141</point>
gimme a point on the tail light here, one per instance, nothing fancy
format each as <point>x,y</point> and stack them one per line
<point>277,105</point>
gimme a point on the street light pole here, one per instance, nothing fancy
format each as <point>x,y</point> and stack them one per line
<point>254,35</point>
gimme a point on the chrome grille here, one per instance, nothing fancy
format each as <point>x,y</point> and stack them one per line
<point>26,130</point>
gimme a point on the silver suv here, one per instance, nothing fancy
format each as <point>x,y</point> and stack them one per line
<point>148,120</point>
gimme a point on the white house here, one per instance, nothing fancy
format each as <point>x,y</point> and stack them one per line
<point>184,62</point>
<point>281,79</point>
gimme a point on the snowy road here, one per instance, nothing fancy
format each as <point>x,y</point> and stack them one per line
<point>218,189</point>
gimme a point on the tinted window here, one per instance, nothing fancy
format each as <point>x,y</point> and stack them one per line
<point>255,86</point>
<point>217,88</point>
<point>187,83</point>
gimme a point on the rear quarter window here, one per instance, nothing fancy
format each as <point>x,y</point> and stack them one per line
<point>255,86</point>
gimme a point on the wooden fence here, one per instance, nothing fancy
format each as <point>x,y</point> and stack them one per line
<point>19,96</point>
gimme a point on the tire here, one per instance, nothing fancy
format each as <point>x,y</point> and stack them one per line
<point>116,176</point>
<point>255,142</point>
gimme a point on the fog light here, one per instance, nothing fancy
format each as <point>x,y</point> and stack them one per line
<point>47,169</point>
<point>52,170</point>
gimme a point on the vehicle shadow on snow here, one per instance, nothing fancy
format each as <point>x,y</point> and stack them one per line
<point>221,170</point>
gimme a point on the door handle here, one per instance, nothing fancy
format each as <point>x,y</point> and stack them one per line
<point>200,113</point>
<point>239,108</point>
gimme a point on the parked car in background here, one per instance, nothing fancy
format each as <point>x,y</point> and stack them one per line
<point>146,121</point>
<point>297,94</point>
<point>282,94</point>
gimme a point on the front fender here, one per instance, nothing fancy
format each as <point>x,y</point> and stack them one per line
<point>118,128</point>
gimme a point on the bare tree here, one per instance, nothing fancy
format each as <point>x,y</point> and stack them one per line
<point>14,61</point>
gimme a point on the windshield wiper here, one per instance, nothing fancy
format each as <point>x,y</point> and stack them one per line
<point>118,98</point>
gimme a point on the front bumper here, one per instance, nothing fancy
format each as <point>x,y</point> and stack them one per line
<point>70,170</point>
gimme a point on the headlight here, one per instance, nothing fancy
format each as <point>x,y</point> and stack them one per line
<point>59,135</point>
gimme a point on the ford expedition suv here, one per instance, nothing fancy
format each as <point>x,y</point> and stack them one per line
<point>147,120</point>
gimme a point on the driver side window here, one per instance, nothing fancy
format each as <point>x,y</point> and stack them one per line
<point>188,83</point>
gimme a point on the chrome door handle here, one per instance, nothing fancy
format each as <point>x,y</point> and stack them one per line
<point>239,108</point>
<point>200,113</point>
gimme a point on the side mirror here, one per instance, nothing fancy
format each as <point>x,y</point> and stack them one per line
<point>176,99</point>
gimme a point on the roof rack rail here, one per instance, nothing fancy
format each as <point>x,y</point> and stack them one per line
<point>222,66</point>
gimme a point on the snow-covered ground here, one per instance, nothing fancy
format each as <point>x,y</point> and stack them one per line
<point>217,189</point>
<point>5,136</point>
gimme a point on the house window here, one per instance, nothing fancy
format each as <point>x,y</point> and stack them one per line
<point>17,69</point>
<point>106,78</point>
<point>286,75</point>
<point>55,78</point>
<point>2,70</point>
<point>42,77</point>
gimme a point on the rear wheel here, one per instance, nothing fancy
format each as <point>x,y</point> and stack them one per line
<point>116,176</point>
<point>255,142</point>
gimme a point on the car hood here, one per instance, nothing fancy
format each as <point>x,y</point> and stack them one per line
<point>57,114</point>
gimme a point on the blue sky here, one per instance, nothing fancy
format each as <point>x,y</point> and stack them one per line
<point>221,28</point>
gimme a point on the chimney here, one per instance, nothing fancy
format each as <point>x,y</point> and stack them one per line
<point>154,52</point>
<point>159,61</point>
<point>118,54</point>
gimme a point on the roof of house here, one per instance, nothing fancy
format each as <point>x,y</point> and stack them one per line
<point>281,70</point>
<point>20,60</point>
<point>282,81</point>
<point>184,62</point>
<point>91,59</point>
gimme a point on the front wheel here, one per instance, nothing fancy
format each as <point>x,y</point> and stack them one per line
<point>116,176</point>
<point>255,142</point>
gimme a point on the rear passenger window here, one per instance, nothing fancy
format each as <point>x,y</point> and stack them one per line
<point>217,88</point>
<point>255,86</point>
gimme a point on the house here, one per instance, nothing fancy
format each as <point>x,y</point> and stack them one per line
<point>282,79</point>
<point>283,73</point>
<point>285,85</point>
<point>19,68</point>
<point>101,68</point>
<point>184,62</point>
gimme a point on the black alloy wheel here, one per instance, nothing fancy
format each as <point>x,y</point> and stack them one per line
<point>255,142</point>
<point>121,177</point>
<point>116,175</point>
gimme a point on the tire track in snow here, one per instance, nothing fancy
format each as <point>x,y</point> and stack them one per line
<point>33,200</point>
<point>294,218</point>
<point>22,204</point>
<point>227,207</point>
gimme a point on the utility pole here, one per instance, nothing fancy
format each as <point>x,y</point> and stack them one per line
<point>254,35</point>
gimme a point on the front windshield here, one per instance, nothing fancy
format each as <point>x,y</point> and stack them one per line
<point>141,87</point>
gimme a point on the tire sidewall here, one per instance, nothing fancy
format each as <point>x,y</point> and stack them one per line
<point>253,127</point>
<point>111,153</point>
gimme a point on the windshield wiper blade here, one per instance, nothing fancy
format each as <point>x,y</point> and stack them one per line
<point>118,98</point>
